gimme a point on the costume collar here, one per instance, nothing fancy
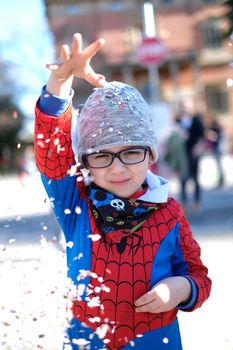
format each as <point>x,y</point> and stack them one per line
<point>157,191</point>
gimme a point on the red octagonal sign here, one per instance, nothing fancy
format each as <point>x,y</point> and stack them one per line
<point>151,52</point>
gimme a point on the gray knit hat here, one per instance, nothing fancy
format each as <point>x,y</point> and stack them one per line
<point>115,115</point>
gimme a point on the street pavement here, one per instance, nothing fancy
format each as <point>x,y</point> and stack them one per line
<point>32,265</point>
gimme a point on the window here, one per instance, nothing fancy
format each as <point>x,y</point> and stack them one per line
<point>208,1</point>
<point>217,98</point>
<point>211,33</point>
<point>166,2</point>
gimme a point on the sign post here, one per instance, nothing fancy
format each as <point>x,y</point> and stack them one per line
<point>151,52</point>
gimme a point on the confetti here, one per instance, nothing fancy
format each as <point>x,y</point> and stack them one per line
<point>15,115</point>
<point>70,244</point>
<point>102,330</point>
<point>78,210</point>
<point>40,136</point>
<point>165,340</point>
<point>94,237</point>
<point>93,302</point>
<point>94,319</point>
<point>229,82</point>
<point>67,211</point>
<point>56,142</point>
<point>80,341</point>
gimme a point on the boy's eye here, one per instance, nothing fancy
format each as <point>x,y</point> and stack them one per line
<point>100,156</point>
<point>132,153</point>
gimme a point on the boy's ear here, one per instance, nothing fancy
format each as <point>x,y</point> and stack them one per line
<point>150,158</point>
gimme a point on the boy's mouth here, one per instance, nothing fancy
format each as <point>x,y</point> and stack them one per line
<point>119,182</point>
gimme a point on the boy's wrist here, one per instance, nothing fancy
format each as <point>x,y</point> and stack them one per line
<point>191,301</point>
<point>58,85</point>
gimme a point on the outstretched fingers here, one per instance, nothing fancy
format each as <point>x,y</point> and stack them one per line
<point>77,43</point>
<point>76,61</point>
<point>93,48</point>
<point>65,53</point>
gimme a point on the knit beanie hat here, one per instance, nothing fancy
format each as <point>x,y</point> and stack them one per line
<point>115,115</point>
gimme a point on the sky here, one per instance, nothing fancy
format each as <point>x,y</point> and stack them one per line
<point>27,44</point>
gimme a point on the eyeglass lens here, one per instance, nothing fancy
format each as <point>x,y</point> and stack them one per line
<point>105,159</point>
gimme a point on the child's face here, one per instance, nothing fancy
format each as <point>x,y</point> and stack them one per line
<point>121,179</point>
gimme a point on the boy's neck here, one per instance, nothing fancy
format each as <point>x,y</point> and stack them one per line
<point>139,193</point>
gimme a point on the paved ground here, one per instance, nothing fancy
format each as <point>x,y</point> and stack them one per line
<point>32,269</point>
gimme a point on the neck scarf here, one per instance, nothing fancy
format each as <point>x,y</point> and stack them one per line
<point>118,217</point>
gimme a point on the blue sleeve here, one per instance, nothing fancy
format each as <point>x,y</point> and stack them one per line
<point>193,298</point>
<point>64,197</point>
<point>52,104</point>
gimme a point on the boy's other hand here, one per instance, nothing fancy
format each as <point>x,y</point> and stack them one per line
<point>165,295</point>
<point>75,61</point>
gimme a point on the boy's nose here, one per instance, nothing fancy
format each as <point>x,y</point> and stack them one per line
<point>117,165</point>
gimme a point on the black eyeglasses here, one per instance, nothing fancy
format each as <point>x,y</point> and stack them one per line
<point>127,156</point>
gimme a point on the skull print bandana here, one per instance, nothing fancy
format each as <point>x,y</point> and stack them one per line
<point>115,216</point>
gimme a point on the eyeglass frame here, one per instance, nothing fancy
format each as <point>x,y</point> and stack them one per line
<point>115,155</point>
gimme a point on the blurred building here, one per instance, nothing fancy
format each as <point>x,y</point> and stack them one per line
<point>198,62</point>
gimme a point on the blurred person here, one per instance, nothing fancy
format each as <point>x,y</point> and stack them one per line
<point>174,152</point>
<point>26,165</point>
<point>132,259</point>
<point>214,136</point>
<point>191,122</point>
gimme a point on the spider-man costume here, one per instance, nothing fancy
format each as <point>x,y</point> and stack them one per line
<point>107,281</point>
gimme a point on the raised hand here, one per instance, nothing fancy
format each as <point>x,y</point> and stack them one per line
<point>75,61</point>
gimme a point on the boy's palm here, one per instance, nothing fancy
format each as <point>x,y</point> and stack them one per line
<point>77,61</point>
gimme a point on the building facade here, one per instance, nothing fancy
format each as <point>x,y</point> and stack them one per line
<point>198,63</point>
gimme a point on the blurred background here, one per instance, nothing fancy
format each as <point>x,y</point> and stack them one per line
<point>172,51</point>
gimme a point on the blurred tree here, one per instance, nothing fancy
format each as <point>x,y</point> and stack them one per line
<point>229,17</point>
<point>10,124</point>
<point>10,117</point>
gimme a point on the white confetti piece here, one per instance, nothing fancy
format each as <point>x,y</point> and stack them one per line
<point>56,142</point>
<point>78,210</point>
<point>229,82</point>
<point>70,244</point>
<point>93,275</point>
<point>102,331</point>
<point>94,302</point>
<point>94,237</point>
<point>80,342</point>
<point>67,211</point>
<point>79,178</point>
<point>165,340</point>
<point>40,136</point>
<point>94,319</point>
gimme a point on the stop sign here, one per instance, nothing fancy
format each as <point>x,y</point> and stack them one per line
<point>151,52</point>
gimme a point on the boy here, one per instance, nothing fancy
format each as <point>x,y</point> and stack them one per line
<point>131,256</point>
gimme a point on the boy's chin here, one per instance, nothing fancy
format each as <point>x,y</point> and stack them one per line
<point>124,193</point>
